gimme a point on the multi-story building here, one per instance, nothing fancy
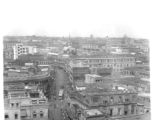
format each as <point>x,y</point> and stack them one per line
<point>8,54</point>
<point>20,49</point>
<point>25,103</point>
<point>101,71</point>
<point>33,57</point>
<point>139,71</point>
<point>116,62</point>
<point>9,44</point>
<point>42,79</point>
<point>144,98</point>
<point>115,101</point>
<point>92,78</point>
<point>92,114</point>
<point>134,83</point>
<point>90,48</point>
<point>78,70</point>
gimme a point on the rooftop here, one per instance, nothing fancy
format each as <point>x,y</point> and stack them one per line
<point>93,75</point>
<point>104,89</point>
<point>78,64</point>
<point>40,75</point>
<point>80,84</point>
<point>146,95</point>
<point>92,112</point>
<point>103,56</point>
<point>139,68</point>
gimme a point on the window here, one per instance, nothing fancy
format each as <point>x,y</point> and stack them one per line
<point>119,111</point>
<point>105,101</point>
<point>125,112</point>
<point>95,99</point>
<point>111,100</point>
<point>132,109</point>
<point>6,116</point>
<point>16,104</point>
<point>110,110</point>
<point>12,104</point>
<point>16,116</point>
<point>34,114</point>
<point>41,114</point>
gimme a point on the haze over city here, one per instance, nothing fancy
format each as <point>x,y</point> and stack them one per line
<point>77,18</point>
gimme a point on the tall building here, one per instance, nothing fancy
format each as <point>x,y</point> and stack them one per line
<point>20,49</point>
<point>116,62</point>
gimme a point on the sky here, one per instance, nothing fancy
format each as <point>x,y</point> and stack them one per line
<point>102,18</point>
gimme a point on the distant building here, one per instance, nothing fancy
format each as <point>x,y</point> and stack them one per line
<point>92,78</point>
<point>135,83</point>
<point>116,62</point>
<point>20,49</point>
<point>90,48</point>
<point>139,71</point>
<point>9,44</point>
<point>8,54</point>
<point>78,70</point>
<point>102,71</point>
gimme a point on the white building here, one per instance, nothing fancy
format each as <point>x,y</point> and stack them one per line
<point>80,86</point>
<point>20,49</point>
<point>92,78</point>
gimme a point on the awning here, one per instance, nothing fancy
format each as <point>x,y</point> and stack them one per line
<point>23,113</point>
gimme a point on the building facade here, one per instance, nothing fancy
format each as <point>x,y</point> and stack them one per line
<point>117,105</point>
<point>116,62</point>
<point>22,104</point>
<point>20,49</point>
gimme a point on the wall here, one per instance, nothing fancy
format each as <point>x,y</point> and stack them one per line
<point>11,112</point>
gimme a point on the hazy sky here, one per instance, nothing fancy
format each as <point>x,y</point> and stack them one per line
<point>112,18</point>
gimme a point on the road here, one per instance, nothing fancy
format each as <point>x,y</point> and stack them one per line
<point>55,113</point>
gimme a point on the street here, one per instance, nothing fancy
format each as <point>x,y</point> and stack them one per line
<point>57,105</point>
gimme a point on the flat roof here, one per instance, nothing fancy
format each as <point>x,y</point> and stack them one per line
<point>103,56</point>
<point>147,95</point>
<point>139,68</point>
<point>80,84</point>
<point>93,75</point>
<point>92,112</point>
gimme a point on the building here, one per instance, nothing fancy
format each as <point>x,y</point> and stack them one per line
<point>116,62</point>
<point>138,71</point>
<point>33,57</point>
<point>102,71</point>
<point>40,78</point>
<point>9,44</point>
<point>80,85</point>
<point>8,54</point>
<point>114,101</point>
<point>78,70</point>
<point>90,48</point>
<point>92,78</point>
<point>20,49</point>
<point>144,98</point>
<point>135,84</point>
<point>92,114</point>
<point>26,103</point>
